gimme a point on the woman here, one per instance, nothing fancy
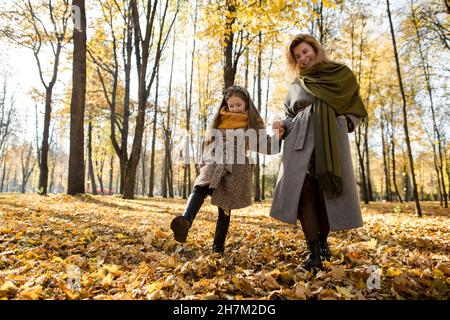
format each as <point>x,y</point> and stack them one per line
<point>316,183</point>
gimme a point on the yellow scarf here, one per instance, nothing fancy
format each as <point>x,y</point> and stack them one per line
<point>232,120</point>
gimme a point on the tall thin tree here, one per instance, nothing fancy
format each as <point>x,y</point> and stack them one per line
<point>405,118</point>
<point>78,102</point>
<point>38,28</point>
<point>145,40</point>
<point>436,132</point>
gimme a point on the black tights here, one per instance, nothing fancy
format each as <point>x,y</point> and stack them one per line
<point>206,191</point>
<point>312,212</point>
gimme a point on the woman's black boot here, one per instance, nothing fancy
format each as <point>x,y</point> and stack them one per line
<point>180,225</point>
<point>325,251</point>
<point>223,222</point>
<point>313,261</point>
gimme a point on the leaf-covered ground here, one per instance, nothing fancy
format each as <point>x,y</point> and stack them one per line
<point>102,247</point>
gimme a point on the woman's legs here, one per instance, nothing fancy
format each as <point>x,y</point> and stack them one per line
<point>308,209</point>
<point>324,227</point>
<point>314,220</point>
<point>181,224</point>
<point>223,222</point>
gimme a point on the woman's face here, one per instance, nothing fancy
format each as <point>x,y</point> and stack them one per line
<point>236,104</point>
<point>305,55</point>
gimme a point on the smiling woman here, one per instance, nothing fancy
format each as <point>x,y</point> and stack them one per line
<point>305,55</point>
<point>322,106</point>
<point>303,52</point>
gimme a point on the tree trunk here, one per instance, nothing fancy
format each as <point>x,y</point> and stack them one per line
<point>259,93</point>
<point>7,186</point>
<point>152,158</point>
<point>366,129</point>
<point>263,193</point>
<point>26,171</point>
<point>3,174</point>
<point>392,149</point>
<point>14,182</point>
<point>117,182</point>
<point>127,49</point>
<point>143,161</point>
<point>51,187</point>
<point>43,166</point>
<point>111,171</point>
<point>164,179</point>
<point>437,134</point>
<point>394,179</point>
<point>35,43</point>
<point>447,165</point>
<point>90,162</point>
<point>405,119</point>
<point>229,70</point>
<point>366,148</point>
<point>187,166</point>
<point>100,176</point>
<point>168,181</point>
<point>387,179</point>
<point>126,101</point>
<point>365,124</point>
<point>142,50</point>
<point>77,106</point>
<point>358,135</point>
<point>170,174</point>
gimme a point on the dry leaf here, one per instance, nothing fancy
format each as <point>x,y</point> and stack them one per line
<point>31,293</point>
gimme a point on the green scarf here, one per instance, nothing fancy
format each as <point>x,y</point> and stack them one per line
<point>336,93</point>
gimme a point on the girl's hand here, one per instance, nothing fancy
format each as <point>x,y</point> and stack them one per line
<point>279,129</point>
<point>280,132</point>
<point>276,125</point>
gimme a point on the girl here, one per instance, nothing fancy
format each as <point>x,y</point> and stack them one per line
<point>224,175</point>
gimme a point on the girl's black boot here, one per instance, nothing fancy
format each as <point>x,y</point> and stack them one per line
<point>223,222</point>
<point>181,224</point>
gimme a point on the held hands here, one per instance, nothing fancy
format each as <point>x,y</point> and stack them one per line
<point>279,129</point>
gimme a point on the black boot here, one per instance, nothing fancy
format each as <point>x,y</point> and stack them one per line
<point>325,251</point>
<point>223,222</point>
<point>313,262</point>
<point>180,225</point>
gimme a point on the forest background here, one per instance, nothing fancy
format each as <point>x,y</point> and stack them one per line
<point>99,99</point>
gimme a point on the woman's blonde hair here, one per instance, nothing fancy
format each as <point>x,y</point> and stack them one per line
<point>291,64</point>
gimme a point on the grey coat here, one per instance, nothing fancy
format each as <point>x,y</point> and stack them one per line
<point>344,211</point>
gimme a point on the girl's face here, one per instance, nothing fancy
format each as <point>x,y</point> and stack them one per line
<point>236,104</point>
<point>305,55</point>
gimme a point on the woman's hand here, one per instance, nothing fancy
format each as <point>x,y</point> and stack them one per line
<point>279,129</point>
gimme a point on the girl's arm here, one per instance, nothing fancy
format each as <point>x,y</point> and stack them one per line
<point>265,143</point>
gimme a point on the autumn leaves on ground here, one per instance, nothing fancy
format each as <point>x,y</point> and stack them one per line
<point>104,247</point>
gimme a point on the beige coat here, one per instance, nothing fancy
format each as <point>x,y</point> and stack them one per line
<point>232,182</point>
